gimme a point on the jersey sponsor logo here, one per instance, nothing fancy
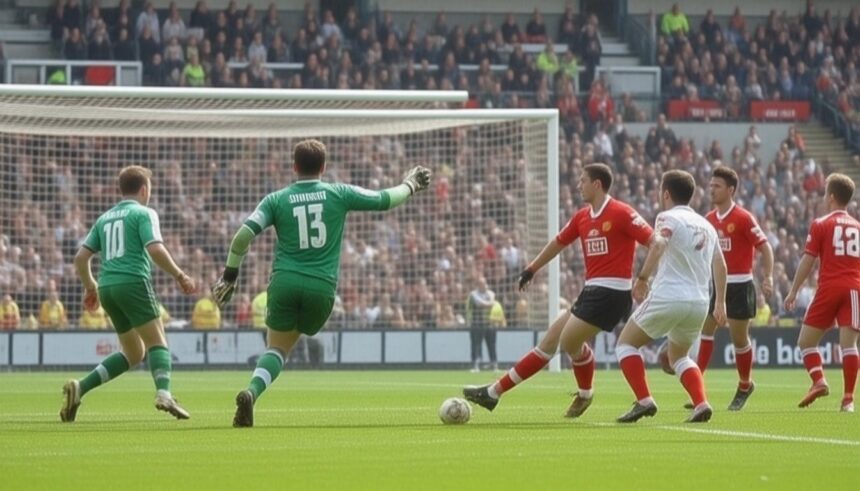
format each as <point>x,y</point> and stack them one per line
<point>725,244</point>
<point>607,226</point>
<point>596,247</point>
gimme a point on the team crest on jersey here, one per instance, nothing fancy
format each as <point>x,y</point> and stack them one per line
<point>730,227</point>
<point>607,226</point>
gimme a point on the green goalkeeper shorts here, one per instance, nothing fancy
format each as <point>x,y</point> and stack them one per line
<point>129,305</point>
<point>298,303</point>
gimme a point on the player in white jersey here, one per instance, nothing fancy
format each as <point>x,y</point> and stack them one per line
<point>685,247</point>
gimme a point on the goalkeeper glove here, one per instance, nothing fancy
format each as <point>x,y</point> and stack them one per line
<point>222,290</point>
<point>417,179</point>
<point>525,278</point>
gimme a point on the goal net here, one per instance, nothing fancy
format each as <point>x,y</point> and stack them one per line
<point>490,207</point>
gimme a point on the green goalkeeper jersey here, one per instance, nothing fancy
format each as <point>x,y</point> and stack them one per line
<point>120,237</point>
<point>308,217</point>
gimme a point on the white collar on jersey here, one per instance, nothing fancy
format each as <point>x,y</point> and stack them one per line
<point>602,207</point>
<point>722,216</point>
<point>686,207</point>
<point>302,181</point>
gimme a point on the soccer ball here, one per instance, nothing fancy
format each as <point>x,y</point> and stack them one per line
<point>455,411</point>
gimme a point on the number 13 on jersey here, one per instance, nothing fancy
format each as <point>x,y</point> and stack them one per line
<point>315,234</point>
<point>846,241</point>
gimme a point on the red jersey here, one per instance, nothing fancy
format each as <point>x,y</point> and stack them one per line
<point>608,238</point>
<point>739,235</point>
<point>835,240</point>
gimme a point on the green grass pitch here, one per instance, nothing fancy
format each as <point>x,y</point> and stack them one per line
<point>379,430</point>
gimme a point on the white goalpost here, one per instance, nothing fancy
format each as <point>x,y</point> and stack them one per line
<point>493,205</point>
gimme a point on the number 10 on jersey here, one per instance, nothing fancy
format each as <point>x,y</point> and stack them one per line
<point>313,235</point>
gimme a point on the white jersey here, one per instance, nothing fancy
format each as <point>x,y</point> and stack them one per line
<point>684,273</point>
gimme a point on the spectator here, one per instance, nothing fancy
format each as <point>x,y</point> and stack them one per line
<point>149,18</point>
<point>148,46</point>
<point>257,50</point>
<point>76,47</point>
<point>329,27</point>
<point>174,26</point>
<point>154,72</point>
<point>193,74</point>
<point>763,312</point>
<point>125,49</point>
<point>100,48</point>
<point>243,312</point>
<point>52,314</point>
<point>600,105</point>
<point>93,22</point>
<point>536,29</point>
<point>10,316</point>
<point>351,25</point>
<point>200,17</point>
<point>206,314</point>
<point>72,16</point>
<point>56,21</point>
<point>259,309</point>
<point>479,306</point>
<point>510,30</point>
<point>737,27</point>
<point>710,28</point>
<point>674,22</point>
<point>547,62</point>
<point>93,319</point>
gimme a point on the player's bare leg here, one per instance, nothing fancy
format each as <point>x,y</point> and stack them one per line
<point>633,367</point>
<point>740,333</point>
<point>574,342</point>
<point>487,396</point>
<point>114,365</point>
<point>691,378</point>
<point>161,366</point>
<point>848,343</point>
<point>808,342</point>
<point>269,365</point>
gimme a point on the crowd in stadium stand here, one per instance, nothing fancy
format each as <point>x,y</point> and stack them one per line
<point>783,58</point>
<point>395,273</point>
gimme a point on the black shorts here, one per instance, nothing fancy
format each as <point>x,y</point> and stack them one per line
<point>603,307</point>
<point>740,301</point>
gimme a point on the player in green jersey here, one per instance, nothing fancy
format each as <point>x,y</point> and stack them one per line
<point>308,217</point>
<point>125,238</point>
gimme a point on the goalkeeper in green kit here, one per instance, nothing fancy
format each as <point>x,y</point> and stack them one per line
<point>308,217</point>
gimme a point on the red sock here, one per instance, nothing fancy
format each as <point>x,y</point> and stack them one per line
<point>744,362</point>
<point>583,368</point>
<point>812,362</point>
<point>691,379</point>
<point>850,362</point>
<point>634,370</point>
<point>706,349</point>
<point>532,363</point>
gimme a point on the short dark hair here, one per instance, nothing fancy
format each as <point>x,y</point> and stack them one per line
<point>599,172</point>
<point>727,174</point>
<point>680,185</point>
<point>309,156</point>
<point>841,187</point>
<point>132,178</point>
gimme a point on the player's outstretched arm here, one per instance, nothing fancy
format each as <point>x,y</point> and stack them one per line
<point>417,179</point>
<point>222,290</point>
<point>807,262</point>
<point>85,273</point>
<point>550,250</point>
<point>162,258</point>
<point>720,271</point>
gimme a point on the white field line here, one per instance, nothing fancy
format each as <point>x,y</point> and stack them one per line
<point>763,436</point>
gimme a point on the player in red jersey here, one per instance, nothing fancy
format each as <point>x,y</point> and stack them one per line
<point>834,240</point>
<point>609,231</point>
<point>740,236</point>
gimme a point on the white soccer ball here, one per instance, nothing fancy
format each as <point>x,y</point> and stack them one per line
<point>455,411</point>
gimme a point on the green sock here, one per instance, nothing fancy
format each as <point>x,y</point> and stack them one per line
<point>110,368</point>
<point>160,365</point>
<point>268,368</point>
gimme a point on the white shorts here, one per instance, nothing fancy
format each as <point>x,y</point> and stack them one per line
<point>680,321</point>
